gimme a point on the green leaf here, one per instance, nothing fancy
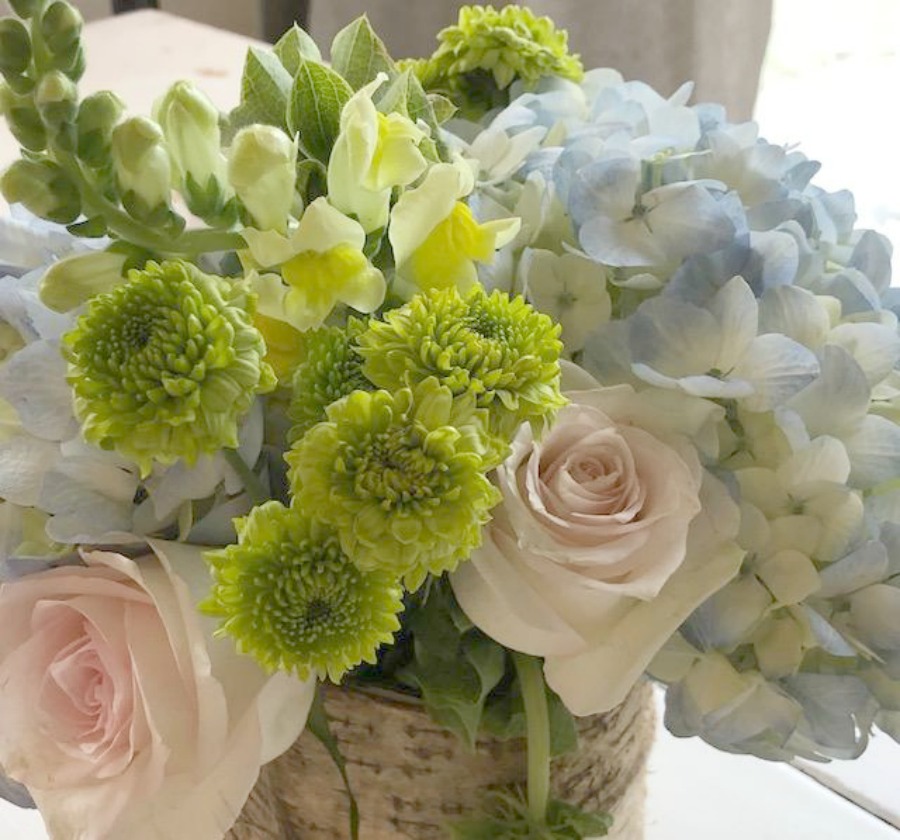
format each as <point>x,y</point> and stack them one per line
<point>265,91</point>
<point>359,55</point>
<point>317,98</point>
<point>293,47</point>
<point>421,107</point>
<point>91,228</point>
<point>319,725</point>
<point>454,666</point>
<point>568,822</point>
<point>505,814</point>
<point>393,98</point>
<point>442,106</point>
<point>312,180</point>
<point>504,718</point>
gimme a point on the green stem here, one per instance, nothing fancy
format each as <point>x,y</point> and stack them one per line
<point>254,487</point>
<point>537,717</point>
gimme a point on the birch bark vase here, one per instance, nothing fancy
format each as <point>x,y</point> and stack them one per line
<point>411,777</point>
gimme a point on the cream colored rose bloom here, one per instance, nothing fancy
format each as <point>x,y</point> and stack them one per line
<point>120,713</point>
<point>599,549</point>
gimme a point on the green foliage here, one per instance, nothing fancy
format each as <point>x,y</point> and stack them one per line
<point>359,55</point>
<point>506,816</point>
<point>504,717</point>
<point>294,46</point>
<point>317,97</point>
<point>454,666</point>
<point>265,91</point>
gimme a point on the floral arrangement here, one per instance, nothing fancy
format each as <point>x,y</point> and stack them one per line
<point>477,377</point>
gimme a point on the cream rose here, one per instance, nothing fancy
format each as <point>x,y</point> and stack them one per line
<point>599,550</point>
<point>121,714</point>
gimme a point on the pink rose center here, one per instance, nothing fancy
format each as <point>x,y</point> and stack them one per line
<point>592,477</point>
<point>86,698</point>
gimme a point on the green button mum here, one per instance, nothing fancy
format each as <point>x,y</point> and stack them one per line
<point>331,368</point>
<point>291,598</point>
<point>164,366</point>
<point>400,476</point>
<point>496,348</point>
<point>479,58</point>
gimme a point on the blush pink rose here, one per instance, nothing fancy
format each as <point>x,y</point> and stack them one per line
<point>121,714</point>
<point>591,560</point>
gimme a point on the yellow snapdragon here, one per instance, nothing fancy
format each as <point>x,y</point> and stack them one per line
<point>436,238</point>
<point>321,265</point>
<point>373,153</point>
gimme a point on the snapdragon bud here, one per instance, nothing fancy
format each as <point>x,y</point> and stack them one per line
<point>190,123</point>
<point>97,116</point>
<point>74,280</point>
<point>23,119</point>
<point>44,188</point>
<point>56,98</point>
<point>142,165</point>
<point>24,8</point>
<point>15,47</point>
<point>61,27</point>
<point>262,169</point>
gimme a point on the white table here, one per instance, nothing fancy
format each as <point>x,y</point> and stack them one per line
<point>696,793</point>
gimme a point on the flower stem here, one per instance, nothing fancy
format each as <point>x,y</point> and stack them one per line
<point>252,484</point>
<point>537,717</point>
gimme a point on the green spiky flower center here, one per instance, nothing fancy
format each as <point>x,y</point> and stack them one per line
<point>394,469</point>
<point>291,598</point>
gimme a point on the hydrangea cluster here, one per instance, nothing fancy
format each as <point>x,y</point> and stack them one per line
<point>700,260</point>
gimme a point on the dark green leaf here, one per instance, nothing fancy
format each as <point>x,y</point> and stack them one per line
<point>294,46</point>
<point>89,228</point>
<point>455,667</point>
<point>504,718</point>
<point>319,726</point>
<point>569,822</point>
<point>506,815</point>
<point>359,55</point>
<point>317,98</point>
<point>265,91</point>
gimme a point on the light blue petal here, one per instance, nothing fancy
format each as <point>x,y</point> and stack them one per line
<point>673,337</point>
<point>838,399</point>
<point>874,450</point>
<point>866,565</point>
<point>777,367</point>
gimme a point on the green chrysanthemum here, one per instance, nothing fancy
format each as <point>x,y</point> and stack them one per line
<point>331,369</point>
<point>164,366</point>
<point>292,599</point>
<point>479,58</point>
<point>400,476</point>
<point>500,350</point>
